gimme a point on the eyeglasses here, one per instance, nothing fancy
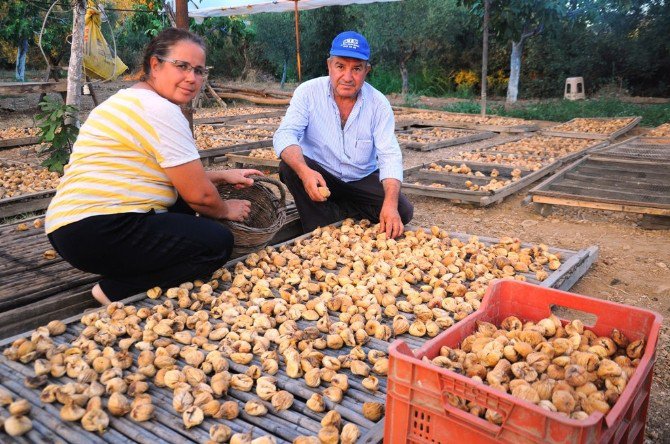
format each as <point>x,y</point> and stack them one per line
<point>186,67</point>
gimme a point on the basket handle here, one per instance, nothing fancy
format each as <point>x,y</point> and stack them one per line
<point>275,182</point>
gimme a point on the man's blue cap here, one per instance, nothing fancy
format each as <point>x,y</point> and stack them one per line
<point>350,44</point>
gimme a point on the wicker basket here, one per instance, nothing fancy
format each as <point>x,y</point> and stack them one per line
<point>268,214</point>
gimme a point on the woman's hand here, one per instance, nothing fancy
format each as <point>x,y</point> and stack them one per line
<point>236,210</point>
<point>238,177</point>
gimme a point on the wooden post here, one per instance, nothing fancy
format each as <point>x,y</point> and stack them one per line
<point>297,40</point>
<point>181,13</point>
<point>75,71</point>
<point>485,54</point>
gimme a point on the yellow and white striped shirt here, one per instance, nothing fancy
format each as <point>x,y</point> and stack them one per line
<point>117,162</point>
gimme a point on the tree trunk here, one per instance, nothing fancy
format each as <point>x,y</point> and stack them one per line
<point>75,71</point>
<point>405,79</point>
<point>514,71</point>
<point>485,54</point>
<point>21,60</point>
<point>283,76</point>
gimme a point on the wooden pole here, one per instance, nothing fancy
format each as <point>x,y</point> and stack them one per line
<point>485,54</point>
<point>75,71</point>
<point>181,13</point>
<point>297,40</point>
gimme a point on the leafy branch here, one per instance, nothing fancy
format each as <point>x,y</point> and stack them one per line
<point>56,132</point>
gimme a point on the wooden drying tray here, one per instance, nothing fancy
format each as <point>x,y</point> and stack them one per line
<point>13,206</point>
<point>240,158</point>
<point>455,183</point>
<point>166,426</point>
<point>604,183</point>
<point>522,128</point>
<point>582,135</point>
<point>636,148</point>
<point>437,143</point>
<point>238,118</point>
<point>491,149</point>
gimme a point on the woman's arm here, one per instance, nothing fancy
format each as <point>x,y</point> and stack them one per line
<point>195,187</point>
<point>238,177</point>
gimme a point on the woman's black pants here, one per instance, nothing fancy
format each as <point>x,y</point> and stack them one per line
<point>137,251</point>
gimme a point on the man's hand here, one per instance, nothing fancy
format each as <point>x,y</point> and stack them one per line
<point>390,222</point>
<point>389,218</point>
<point>311,180</point>
<point>236,210</point>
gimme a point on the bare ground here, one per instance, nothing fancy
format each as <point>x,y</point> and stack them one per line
<point>632,267</point>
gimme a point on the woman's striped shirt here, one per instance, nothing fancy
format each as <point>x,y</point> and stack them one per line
<point>117,163</point>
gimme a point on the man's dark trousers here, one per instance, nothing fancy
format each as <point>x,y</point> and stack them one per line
<point>360,199</point>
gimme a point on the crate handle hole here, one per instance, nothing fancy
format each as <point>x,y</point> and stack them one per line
<point>570,314</point>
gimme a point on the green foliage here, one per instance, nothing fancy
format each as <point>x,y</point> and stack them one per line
<point>135,32</point>
<point>228,40</point>
<point>564,110</point>
<point>318,28</point>
<point>56,133</point>
<point>427,82</point>
<point>274,43</point>
<point>470,107</point>
<point>21,19</point>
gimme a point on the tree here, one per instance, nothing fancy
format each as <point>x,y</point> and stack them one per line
<point>20,21</point>
<point>228,40</point>
<point>516,22</point>
<point>400,33</point>
<point>273,49</point>
<point>319,28</point>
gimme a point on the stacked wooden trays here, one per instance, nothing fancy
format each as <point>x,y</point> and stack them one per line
<point>561,131</point>
<point>438,137</point>
<point>604,182</point>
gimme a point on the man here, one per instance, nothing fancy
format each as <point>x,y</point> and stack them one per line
<point>339,154</point>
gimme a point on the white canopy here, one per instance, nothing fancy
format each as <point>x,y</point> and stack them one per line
<point>216,8</point>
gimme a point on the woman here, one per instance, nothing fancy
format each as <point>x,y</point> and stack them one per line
<point>125,208</point>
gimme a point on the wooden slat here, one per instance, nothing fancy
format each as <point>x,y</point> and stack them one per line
<point>579,201</point>
<point>27,203</point>
<point>21,141</point>
<point>13,88</point>
<point>245,158</point>
<point>633,185</point>
<point>578,189</point>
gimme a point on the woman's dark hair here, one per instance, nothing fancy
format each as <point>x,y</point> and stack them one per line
<point>160,46</point>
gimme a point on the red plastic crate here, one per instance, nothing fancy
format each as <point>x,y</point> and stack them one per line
<point>417,408</point>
